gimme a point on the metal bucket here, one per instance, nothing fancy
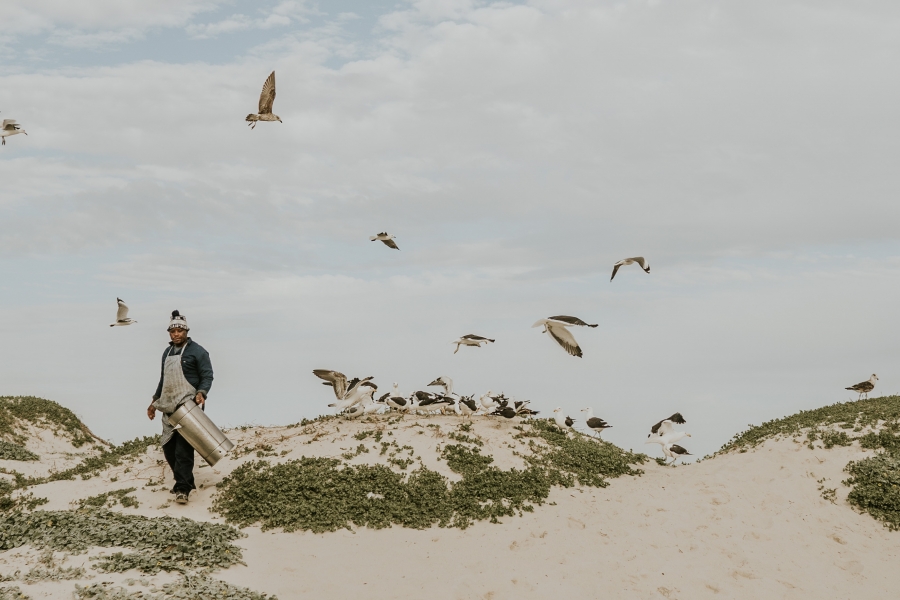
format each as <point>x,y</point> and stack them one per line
<point>200,432</point>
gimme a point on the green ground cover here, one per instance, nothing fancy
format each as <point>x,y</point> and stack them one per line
<point>326,494</point>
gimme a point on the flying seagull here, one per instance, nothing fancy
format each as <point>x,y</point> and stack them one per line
<point>338,381</point>
<point>266,99</point>
<point>556,327</point>
<point>122,315</point>
<point>630,261</point>
<point>8,128</point>
<point>471,340</point>
<point>387,238</point>
<point>864,387</point>
<point>595,423</point>
<point>664,434</point>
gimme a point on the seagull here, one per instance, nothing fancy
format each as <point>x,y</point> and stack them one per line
<point>664,434</point>
<point>488,401</point>
<point>556,327</point>
<point>563,422</point>
<point>122,315</point>
<point>595,423</point>
<point>630,261</point>
<point>449,398</point>
<point>358,396</point>
<point>8,128</point>
<point>338,382</point>
<point>466,405</point>
<point>864,387</point>
<point>674,451</point>
<point>395,400</point>
<point>266,99</point>
<point>387,238</point>
<point>509,412</point>
<point>471,340</point>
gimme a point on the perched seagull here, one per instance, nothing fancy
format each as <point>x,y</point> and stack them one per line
<point>8,128</point>
<point>556,327</point>
<point>488,401</point>
<point>471,340</point>
<point>509,412</point>
<point>674,451</point>
<point>122,315</point>
<point>595,423</point>
<point>266,99</point>
<point>863,387</point>
<point>387,238</point>
<point>563,422</point>
<point>395,400</point>
<point>466,405</point>
<point>630,261</point>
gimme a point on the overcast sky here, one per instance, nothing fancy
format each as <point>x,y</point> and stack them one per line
<point>516,149</point>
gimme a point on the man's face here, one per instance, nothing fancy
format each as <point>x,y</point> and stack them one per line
<point>178,336</point>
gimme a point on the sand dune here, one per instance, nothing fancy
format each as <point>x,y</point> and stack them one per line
<point>741,525</point>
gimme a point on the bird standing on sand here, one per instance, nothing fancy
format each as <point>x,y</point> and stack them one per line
<point>266,99</point>
<point>563,422</point>
<point>864,387</point>
<point>122,315</point>
<point>395,400</point>
<point>556,327</point>
<point>8,128</point>
<point>595,423</point>
<point>508,412</point>
<point>471,340</point>
<point>674,451</point>
<point>387,238</point>
<point>630,261</point>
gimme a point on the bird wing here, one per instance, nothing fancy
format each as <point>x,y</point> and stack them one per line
<point>640,260</point>
<point>663,428</point>
<point>391,244</point>
<point>615,270</point>
<point>678,449</point>
<point>9,124</point>
<point>571,320</point>
<point>337,380</point>
<point>596,423</point>
<point>564,338</point>
<point>267,96</point>
<point>122,313</point>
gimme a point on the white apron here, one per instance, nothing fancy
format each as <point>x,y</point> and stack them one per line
<point>175,391</point>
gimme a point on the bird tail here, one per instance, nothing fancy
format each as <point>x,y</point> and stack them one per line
<point>252,117</point>
<point>374,239</point>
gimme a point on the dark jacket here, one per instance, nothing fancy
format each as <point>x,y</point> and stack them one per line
<point>195,365</point>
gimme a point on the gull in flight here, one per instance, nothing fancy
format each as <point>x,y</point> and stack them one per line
<point>122,315</point>
<point>266,99</point>
<point>8,128</point>
<point>471,340</point>
<point>595,423</point>
<point>387,238</point>
<point>664,434</point>
<point>864,387</point>
<point>556,327</point>
<point>630,261</point>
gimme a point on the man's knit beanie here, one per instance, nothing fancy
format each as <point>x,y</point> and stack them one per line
<point>178,322</point>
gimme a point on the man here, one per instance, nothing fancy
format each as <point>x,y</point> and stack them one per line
<point>186,375</point>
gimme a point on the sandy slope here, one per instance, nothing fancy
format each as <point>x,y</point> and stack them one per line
<point>745,525</point>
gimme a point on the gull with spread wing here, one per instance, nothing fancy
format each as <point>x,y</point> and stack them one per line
<point>557,328</point>
<point>266,99</point>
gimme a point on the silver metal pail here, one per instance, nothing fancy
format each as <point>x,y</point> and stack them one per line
<point>200,432</point>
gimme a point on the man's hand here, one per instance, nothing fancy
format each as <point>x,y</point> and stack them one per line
<point>200,400</point>
<point>151,412</point>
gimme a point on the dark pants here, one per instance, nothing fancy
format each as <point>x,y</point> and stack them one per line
<point>180,456</point>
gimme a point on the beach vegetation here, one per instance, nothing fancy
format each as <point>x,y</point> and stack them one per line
<point>16,411</point>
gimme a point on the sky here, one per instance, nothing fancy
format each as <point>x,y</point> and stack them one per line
<point>516,149</point>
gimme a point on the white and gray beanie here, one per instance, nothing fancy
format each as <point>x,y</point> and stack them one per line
<point>178,322</point>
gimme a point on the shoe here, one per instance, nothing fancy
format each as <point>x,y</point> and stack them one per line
<point>181,498</point>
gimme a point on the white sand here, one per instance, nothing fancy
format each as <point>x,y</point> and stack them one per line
<point>748,525</point>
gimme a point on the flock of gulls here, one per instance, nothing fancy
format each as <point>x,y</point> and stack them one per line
<point>356,397</point>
